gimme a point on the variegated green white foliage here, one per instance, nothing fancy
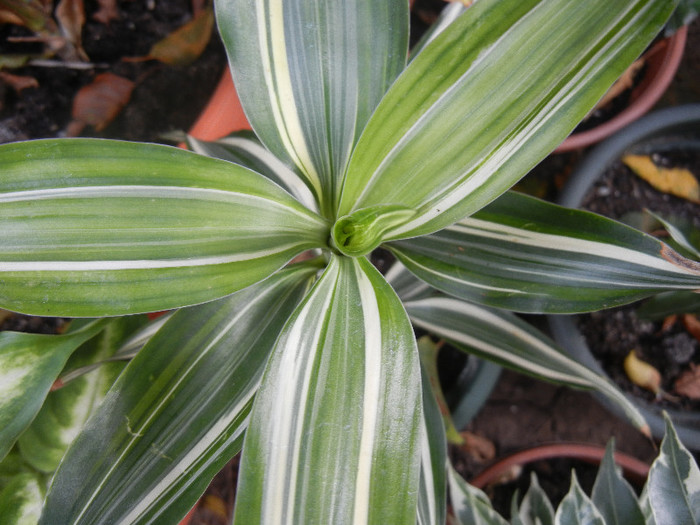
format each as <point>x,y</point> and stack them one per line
<point>356,149</point>
<point>671,495</point>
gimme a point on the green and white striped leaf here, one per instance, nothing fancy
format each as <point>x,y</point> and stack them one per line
<point>66,410</point>
<point>669,303</point>
<point>335,433</point>
<point>244,148</point>
<point>29,364</point>
<point>576,508</point>
<point>177,413</point>
<point>470,505</point>
<point>613,496</point>
<point>687,236</point>
<point>673,487</point>
<point>310,73</point>
<point>524,254</point>
<point>406,285</point>
<point>504,338</point>
<point>485,101</point>
<point>535,509</point>
<point>95,227</point>
<point>432,495</point>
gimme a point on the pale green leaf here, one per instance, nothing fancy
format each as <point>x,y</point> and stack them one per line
<point>244,148</point>
<point>310,73</point>
<point>66,410</point>
<point>95,227</point>
<point>613,496</point>
<point>504,338</point>
<point>470,505</point>
<point>673,486</point>
<point>29,364</point>
<point>576,508</point>
<point>177,413</point>
<point>485,101</point>
<point>528,255</point>
<point>335,433</point>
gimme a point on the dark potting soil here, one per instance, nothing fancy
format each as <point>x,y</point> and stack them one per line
<point>165,98</point>
<point>612,334</point>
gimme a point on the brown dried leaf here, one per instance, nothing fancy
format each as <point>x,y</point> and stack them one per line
<point>625,82</point>
<point>185,44</point>
<point>479,448</point>
<point>688,383</point>
<point>107,11</point>
<point>692,324</point>
<point>71,18</point>
<point>32,14</point>
<point>675,181</point>
<point>17,82</point>
<point>98,103</point>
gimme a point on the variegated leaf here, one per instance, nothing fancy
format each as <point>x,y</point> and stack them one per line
<point>470,505</point>
<point>21,499</point>
<point>482,104</point>
<point>66,410</point>
<point>336,428</point>
<point>576,508</point>
<point>613,496</point>
<point>673,486</point>
<point>432,496</point>
<point>536,507</point>
<point>29,364</point>
<point>94,227</point>
<point>244,148</point>
<point>528,255</point>
<point>310,73</point>
<point>504,338</point>
<point>177,413</point>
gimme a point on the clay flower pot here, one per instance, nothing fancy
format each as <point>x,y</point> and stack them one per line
<point>662,61</point>
<point>634,470</point>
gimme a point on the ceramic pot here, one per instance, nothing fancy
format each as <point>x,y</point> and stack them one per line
<point>662,61</point>
<point>657,127</point>
<point>633,469</point>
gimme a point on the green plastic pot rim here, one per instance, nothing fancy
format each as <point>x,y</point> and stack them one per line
<point>665,121</point>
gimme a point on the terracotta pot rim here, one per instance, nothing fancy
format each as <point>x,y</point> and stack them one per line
<point>670,60</point>
<point>634,469</point>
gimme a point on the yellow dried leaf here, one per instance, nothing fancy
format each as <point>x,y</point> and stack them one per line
<point>184,45</point>
<point>675,181</point>
<point>641,373</point>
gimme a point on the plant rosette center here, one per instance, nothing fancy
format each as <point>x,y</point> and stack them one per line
<point>364,230</point>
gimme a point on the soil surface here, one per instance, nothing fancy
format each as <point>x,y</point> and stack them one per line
<point>520,412</point>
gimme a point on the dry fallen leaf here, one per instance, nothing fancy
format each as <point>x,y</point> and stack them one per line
<point>675,181</point>
<point>184,45</point>
<point>625,82</point>
<point>98,103</point>
<point>479,448</point>
<point>641,373</point>
<point>688,383</point>
<point>71,18</point>
<point>107,11</point>
<point>18,82</point>
<point>692,324</point>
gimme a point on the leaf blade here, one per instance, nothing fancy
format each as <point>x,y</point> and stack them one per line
<point>527,255</point>
<point>177,413</point>
<point>514,79</point>
<point>310,73</point>
<point>95,227</point>
<point>359,440</point>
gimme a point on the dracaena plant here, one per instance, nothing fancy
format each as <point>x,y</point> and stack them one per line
<point>315,363</point>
